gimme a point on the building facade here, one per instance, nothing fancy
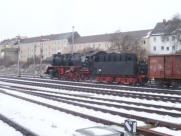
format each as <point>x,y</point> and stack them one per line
<point>51,44</point>
<point>45,45</point>
<point>10,56</point>
<point>164,38</point>
<point>104,42</point>
<point>6,44</point>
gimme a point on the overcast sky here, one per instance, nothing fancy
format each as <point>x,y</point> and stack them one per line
<point>42,17</point>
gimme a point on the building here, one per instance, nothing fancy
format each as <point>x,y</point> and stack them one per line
<point>48,45</point>
<point>51,44</point>
<point>9,56</point>
<point>105,41</point>
<point>164,39</point>
<point>8,43</point>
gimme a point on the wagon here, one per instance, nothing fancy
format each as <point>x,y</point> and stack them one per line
<point>165,69</point>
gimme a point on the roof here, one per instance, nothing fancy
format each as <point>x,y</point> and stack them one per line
<point>166,27</point>
<point>12,41</point>
<point>107,37</point>
<point>50,37</point>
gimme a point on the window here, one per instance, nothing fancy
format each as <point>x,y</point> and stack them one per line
<point>173,48</point>
<point>154,39</point>
<point>167,38</point>
<point>106,45</point>
<point>173,38</point>
<point>144,42</point>
<point>167,48</point>
<point>163,39</point>
<point>93,46</point>
<point>154,48</point>
<point>179,37</point>
<point>162,48</point>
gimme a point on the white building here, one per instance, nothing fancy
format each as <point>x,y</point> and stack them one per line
<point>48,45</point>
<point>164,38</point>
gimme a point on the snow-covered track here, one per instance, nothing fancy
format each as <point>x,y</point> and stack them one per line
<point>16,126</point>
<point>120,93</point>
<point>102,86</point>
<point>96,98</point>
<point>147,120</point>
<point>145,132</point>
<point>64,100</point>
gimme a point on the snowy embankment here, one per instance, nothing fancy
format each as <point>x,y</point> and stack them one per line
<point>41,120</point>
<point>78,109</point>
<point>6,130</point>
<point>144,101</point>
<point>100,114</point>
<point>143,114</point>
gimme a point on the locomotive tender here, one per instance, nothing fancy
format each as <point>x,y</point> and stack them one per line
<point>122,68</point>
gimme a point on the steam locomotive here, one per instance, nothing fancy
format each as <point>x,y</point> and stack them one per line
<point>122,68</point>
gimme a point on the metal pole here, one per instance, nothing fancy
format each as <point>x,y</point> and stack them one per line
<point>34,57</point>
<point>41,59</point>
<point>4,59</point>
<point>19,72</point>
<point>72,40</point>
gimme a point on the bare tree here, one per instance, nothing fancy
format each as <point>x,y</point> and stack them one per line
<point>174,26</point>
<point>88,49</point>
<point>174,29</point>
<point>126,44</point>
<point>30,61</point>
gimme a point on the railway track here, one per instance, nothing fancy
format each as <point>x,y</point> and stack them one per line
<point>147,120</point>
<point>172,99</point>
<point>50,96</point>
<point>143,131</point>
<point>97,98</point>
<point>103,86</point>
<point>17,127</point>
<point>73,101</point>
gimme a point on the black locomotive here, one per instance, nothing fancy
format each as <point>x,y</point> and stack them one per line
<point>104,67</point>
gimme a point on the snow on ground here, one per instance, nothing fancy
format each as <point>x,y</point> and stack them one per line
<point>144,101</point>
<point>52,123</point>
<point>136,92</point>
<point>99,114</point>
<point>107,102</point>
<point>39,119</point>
<point>168,131</point>
<point>139,113</point>
<point>109,117</point>
<point>6,130</point>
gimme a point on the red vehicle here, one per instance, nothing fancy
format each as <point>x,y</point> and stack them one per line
<point>165,69</point>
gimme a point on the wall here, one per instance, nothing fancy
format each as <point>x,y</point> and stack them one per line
<point>10,56</point>
<point>78,47</point>
<point>163,44</point>
<point>49,48</point>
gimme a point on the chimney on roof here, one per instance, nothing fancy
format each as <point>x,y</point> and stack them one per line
<point>164,21</point>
